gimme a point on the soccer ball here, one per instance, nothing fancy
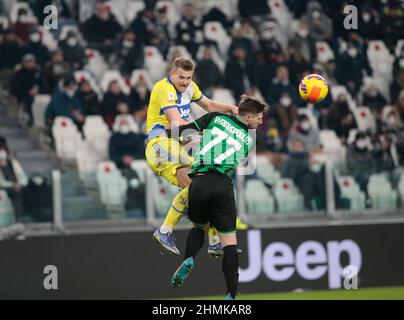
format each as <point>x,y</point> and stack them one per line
<point>313,88</point>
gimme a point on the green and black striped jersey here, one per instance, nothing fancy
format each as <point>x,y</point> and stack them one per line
<point>225,141</point>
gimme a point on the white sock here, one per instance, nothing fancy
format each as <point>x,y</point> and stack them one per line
<point>165,229</point>
<point>213,240</point>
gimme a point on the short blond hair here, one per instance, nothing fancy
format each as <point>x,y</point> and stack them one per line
<point>183,63</point>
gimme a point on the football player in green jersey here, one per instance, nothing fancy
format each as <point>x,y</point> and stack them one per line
<point>225,141</point>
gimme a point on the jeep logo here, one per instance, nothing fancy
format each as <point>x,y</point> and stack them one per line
<point>311,260</point>
<point>184,113</point>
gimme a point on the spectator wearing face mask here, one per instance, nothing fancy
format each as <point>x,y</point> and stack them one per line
<point>23,25</point>
<point>112,98</point>
<point>360,160</point>
<point>270,43</point>
<point>340,118</point>
<point>55,70</point>
<point>320,25</point>
<point>280,84</point>
<point>387,157</point>
<point>286,114</point>
<point>39,198</point>
<point>11,52</point>
<point>350,67</point>
<point>35,47</point>
<point>12,179</point>
<point>304,131</point>
<point>101,29</point>
<point>125,145</point>
<point>27,83</point>
<point>129,54</point>
<point>373,99</point>
<point>369,21</point>
<point>73,51</point>
<point>88,99</point>
<point>65,102</point>
<point>298,166</point>
<point>240,75</point>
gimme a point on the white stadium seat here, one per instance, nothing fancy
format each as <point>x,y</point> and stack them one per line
<point>112,185</point>
<point>364,119</point>
<point>154,63</point>
<point>96,64</point>
<point>39,106</point>
<point>324,52</point>
<point>214,31</point>
<point>259,200</point>
<point>223,95</point>
<point>287,197</point>
<point>66,138</point>
<point>7,216</point>
<point>112,75</point>
<point>381,192</point>
<point>134,126</point>
<point>87,163</point>
<point>97,135</point>
<point>350,190</point>
<point>141,74</point>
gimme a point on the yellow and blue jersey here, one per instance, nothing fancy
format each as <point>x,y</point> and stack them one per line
<point>164,96</point>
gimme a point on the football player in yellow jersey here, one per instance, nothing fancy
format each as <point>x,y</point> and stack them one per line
<point>170,105</point>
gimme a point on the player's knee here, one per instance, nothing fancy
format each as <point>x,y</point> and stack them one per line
<point>184,180</point>
<point>228,239</point>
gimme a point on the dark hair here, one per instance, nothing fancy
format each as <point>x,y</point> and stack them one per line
<point>251,105</point>
<point>183,63</point>
<point>3,144</point>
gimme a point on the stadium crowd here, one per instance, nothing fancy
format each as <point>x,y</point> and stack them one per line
<point>265,49</point>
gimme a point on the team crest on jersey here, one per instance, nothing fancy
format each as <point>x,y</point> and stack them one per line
<point>171,96</point>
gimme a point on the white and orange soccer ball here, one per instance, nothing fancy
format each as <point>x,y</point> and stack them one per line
<point>313,88</point>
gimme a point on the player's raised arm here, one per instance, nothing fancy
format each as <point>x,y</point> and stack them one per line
<point>174,117</point>
<point>199,124</point>
<point>215,106</point>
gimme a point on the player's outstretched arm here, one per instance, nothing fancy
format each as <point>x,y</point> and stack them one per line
<point>215,106</point>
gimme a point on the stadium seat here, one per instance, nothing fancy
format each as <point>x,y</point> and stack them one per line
<point>381,192</point>
<point>96,64</point>
<point>69,28</point>
<point>4,23</point>
<point>214,31</point>
<point>223,95</point>
<point>39,106</point>
<point>97,134</point>
<point>129,120</point>
<point>112,75</point>
<point>280,11</point>
<point>324,52</point>
<point>259,200</point>
<point>7,216</point>
<point>118,8</point>
<point>112,186</point>
<point>287,197</point>
<point>133,8</point>
<point>87,163</point>
<point>154,63</point>
<point>139,74</point>
<point>66,138</point>
<point>173,12</point>
<point>17,6</point>
<point>163,194</point>
<point>80,75</point>
<point>266,171</point>
<point>333,147</point>
<point>350,190</point>
<point>140,167</point>
<point>309,113</point>
<point>381,62</point>
<point>365,119</point>
<point>181,50</point>
<point>48,39</point>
